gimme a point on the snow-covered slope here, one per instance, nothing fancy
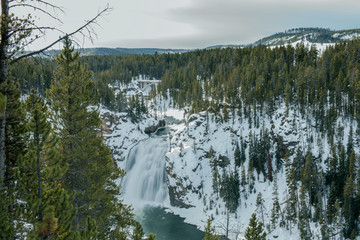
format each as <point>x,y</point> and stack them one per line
<point>319,37</point>
<point>189,170</point>
<point>311,35</point>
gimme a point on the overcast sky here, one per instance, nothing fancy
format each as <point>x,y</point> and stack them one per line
<point>198,23</point>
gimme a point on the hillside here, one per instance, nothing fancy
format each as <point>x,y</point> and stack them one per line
<point>120,51</point>
<point>311,35</point>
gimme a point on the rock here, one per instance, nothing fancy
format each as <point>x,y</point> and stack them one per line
<point>175,198</point>
<point>224,161</point>
<point>162,123</point>
<point>193,117</point>
<point>153,128</point>
<point>104,128</point>
<point>198,123</point>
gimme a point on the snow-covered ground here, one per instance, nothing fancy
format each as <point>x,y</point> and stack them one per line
<point>321,47</point>
<point>188,167</point>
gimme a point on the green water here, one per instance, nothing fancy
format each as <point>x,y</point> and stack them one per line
<point>167,226</point>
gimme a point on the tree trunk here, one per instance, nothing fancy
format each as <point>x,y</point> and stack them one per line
<point>4,67</point>
<point>227,223</point>
<point>37,139</point>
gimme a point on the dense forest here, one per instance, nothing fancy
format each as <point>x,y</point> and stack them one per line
<point>246,82</point>
<point>242,79</point>
<point>60,176</point>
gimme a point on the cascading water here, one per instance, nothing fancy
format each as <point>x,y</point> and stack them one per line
<point>145,181</point>
<point>145,186</point>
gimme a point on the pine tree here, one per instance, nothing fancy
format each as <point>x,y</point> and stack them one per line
<point>237,155</point>
<point>6,226</point>
<point>48,206</point>
<point>152,236</point>
<point>255,230</point>
<point>269,168</point>
<point>304,225</point>
<point>92,170</point>
<point>230,191</point>
<point>292,200</point>
<point>243,181</point>
<point>349,206</point>
<point>260,207</point>
<point>138,232</point>
<point>338,221</point>
<point>250,176</point>
<point>276,209</point>
<point>15,147</point>
<point>210,232</point>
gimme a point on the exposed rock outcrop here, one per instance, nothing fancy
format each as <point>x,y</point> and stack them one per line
<point>153,128</point>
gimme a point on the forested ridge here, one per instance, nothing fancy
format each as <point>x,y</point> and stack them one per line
<point>251,83</point>
<point>253,77</point>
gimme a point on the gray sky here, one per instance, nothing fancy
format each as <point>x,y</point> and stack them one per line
<point>198,23</point>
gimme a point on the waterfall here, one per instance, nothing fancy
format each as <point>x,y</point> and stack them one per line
<point>145,181</point>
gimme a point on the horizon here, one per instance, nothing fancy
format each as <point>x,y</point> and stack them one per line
<point>192,24</point>
<point>78,47</point>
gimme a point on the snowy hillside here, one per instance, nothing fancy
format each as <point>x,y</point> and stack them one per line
<point>311,35</point>
<point>319,37</point>
<point>190,172</point>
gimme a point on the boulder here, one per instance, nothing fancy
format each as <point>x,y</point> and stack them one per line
<point>153,128</point>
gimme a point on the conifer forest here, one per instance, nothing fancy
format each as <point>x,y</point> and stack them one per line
<point>267,145</point>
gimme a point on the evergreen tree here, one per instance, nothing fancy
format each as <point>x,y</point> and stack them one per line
<point>39,172</point>
<point>260,207</point>
<point>92,170</point>
<point>230,190</point>
<point>152,236</point>
<point>237,155</point>
<point>138,232</point>
<point>304,225</point>
<point>269,168</point>
<point>276,209</point>
<point>255,230</point>
<point>210,232</point>
<point>15,147</point>
<point>338,221</point>
<point>292,199</point>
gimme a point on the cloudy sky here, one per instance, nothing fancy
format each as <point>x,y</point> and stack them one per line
<point>197,23</point>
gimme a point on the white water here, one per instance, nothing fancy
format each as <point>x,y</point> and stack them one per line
<point>145,181</point>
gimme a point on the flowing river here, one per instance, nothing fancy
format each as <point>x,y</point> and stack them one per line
<point>145,188</point>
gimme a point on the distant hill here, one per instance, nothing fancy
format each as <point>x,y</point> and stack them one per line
<point>292,36</point>
<point>120,51</point>
<point>311,35</point>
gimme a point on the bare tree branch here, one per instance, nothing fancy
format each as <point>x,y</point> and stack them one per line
<point>57,8</point>
<point>41,29</point>
<point>36,8</point>
<point>50,5</point>
<point>86,27</point>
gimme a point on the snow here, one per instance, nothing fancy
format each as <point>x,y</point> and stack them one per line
<point>321,47</point>
<point>175,113</point>
<point>187,157</point>
<point>347,36</point>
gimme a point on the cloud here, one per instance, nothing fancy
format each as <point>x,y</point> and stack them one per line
<point>202,23</point>
<point>230,21</point>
